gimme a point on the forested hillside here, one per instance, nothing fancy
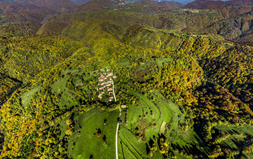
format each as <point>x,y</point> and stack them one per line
<point>236,21</point>
<point>173,83</point>
<point>57,5</point>
<point>213,4</point>
<point>21,12</point>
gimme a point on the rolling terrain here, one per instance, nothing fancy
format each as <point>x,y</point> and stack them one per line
<point>21,19</point>
<point>62,6</point>
<point>183,82</point>
<point>236,21</point>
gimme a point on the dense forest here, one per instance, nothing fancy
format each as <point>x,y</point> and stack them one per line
<point>183,79</point>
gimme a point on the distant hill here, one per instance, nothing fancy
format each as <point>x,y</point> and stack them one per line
<point>235,22</point>
<point>172,4</point>
<point>57,5</point>
<point>95,5</point>
<point>240,2</point>
<point>18,7</point>
<point>143,6</point>
<point>18,12</point>
<point>205,4</point>
<point>80,2</point>
<point>138,6</point>
<point>216,4</point>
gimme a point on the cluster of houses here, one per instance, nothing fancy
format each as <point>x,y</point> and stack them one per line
<point>106,83</point>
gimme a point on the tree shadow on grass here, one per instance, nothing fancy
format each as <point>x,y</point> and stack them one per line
<point>192,149</point>
<point>147,149</point>
<point>239,143</point>
<point>122,149</point>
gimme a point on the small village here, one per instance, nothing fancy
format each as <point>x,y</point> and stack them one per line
<point>106,85</point>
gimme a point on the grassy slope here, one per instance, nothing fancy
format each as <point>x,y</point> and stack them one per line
<point>87,143</point>
<point>138,149</point>
<point>147,102</point>
<point>27,96</point>
<point>161,113</point>
<point>235,141</point>
<point>174,111</point>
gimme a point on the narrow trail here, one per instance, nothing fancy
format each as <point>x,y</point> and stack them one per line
<point>117,129</point>
<point>116,143</point>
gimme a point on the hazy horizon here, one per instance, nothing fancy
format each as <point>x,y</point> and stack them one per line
<point>188,1</point>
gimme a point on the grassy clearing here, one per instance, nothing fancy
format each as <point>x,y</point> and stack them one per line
<point>137,148</point>
<point>27,96</point>
<point>86,78</point>
<point>66,99</point>
<point>124,61</point>
<point>171,114</point>
<point>233,142</point>
<point>74,81</point>
<point>123,117</point>
<point>193,138</point>
<point>120,149</point>
<point>174,110</point>
<point>146,109</point>
<point>161,113</point>
<point>88,144</point>
<point>124,151</point>
<point>146,101</point>
<point>237,141</point>
<point>80,71</point>
<point>59,86</point>
<point>157,155</point>
<point>143,66</point>
<point>161,61</point>
<point>165,112</point>
<point>69,71</point>
<point>63,128</point>
<point>244,129</point>
<point>134,113</point>
<point>150,133</point>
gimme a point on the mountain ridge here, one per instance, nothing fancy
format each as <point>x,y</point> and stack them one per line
<point>137,6</point>
<point>214,4</point>
<point>57,5</point>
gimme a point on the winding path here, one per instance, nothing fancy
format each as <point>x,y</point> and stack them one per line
<point>116,141</point>
<point>117,129</point>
